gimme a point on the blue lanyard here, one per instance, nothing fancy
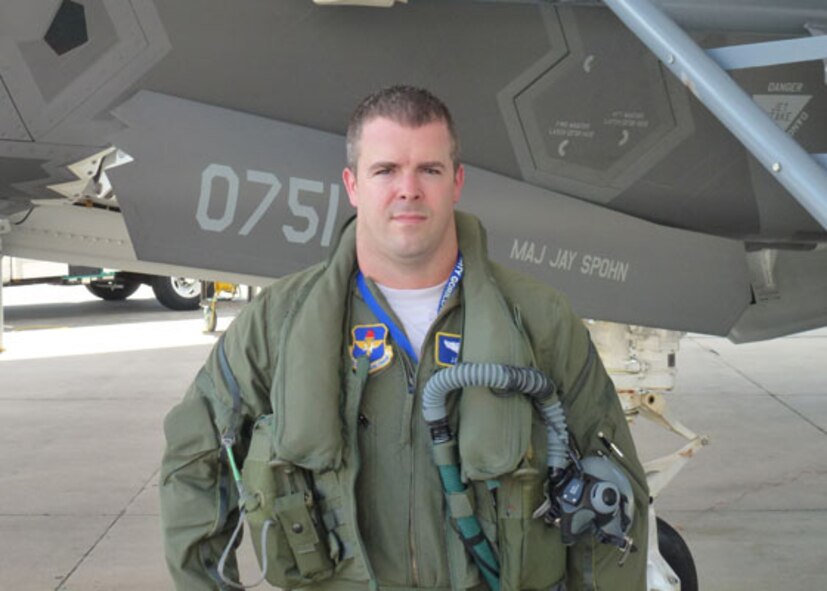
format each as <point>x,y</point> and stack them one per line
<point>397,333</point>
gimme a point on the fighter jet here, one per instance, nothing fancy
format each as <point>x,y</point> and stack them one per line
<point>634,154</point>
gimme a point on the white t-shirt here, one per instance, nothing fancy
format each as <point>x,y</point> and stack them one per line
<point>415,308</point>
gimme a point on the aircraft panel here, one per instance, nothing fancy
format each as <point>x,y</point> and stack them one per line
<point>227,190</point>
<point>298,64</point>
<point>52,72</point>
<point>575,131</point>
<point>714,183</point>
<point>26,168</point>
<point>15,170</point>
<point>310,65</point>
<point>612,266</point>
<point>772,16</point>
<point>58,95</point>
<point>301,66</point>
<point>95,237</point>
<point>11,126</point>
<point>791,297</point>
<point>262,197</point>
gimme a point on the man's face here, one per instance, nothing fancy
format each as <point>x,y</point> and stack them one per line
<point>404,190</point>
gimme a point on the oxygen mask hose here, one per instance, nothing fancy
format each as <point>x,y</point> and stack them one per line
<point>583,496</point>
<point>504,380</point>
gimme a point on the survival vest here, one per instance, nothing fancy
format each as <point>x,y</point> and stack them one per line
<point>303,461</point>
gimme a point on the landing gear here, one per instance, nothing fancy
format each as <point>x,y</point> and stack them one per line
<point>210,316</point>
<point>177,293</point>
<point>641,362</point>
<point>210,294</point>
<point>113,290</point>
<point>677,555</point>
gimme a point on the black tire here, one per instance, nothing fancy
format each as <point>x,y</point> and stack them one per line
<point>114,290</point>
<point>177,293</point>
<point>676,553</point>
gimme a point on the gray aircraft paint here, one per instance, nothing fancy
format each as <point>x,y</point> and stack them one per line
<point>174,141</point>
<point>25,168</point>
<point>663,172</point>
<point>634,273</point>
<point>667,179</point>
<point>11,126</point>
<point>571,132</point>
<point>63,102</point>
<point>681,278</point>
<point>295,62</point>
<point>61,98</point>
<point>787,303</point>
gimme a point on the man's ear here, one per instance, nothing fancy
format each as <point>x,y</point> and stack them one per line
<point>349,180</point>
<point>459,182</point>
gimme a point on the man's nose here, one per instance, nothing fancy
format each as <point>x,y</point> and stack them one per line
<point>409,186</point>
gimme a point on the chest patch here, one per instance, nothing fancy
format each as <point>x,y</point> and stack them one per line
<point>447,348</point>
<point>371,341</point>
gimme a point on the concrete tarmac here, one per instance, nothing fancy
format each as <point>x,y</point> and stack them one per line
<point>85,384</point>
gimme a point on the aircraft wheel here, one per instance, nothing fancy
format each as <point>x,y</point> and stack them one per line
<point>177,293</point>
<point>114,290</point>
<point>676,553</point>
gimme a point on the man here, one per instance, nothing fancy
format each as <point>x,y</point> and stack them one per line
<point>318,384</point>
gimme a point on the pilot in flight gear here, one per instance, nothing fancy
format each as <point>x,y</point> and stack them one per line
<point>317,389</point>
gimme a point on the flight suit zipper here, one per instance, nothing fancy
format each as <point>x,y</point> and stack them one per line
<point>408,435</point>
<point>410,378</point>
<point>412,375</point>
<point>360,376</point>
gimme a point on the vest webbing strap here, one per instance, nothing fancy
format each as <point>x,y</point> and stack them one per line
<point>235,392</point>
<point>446,454</point>
<point>460,504</point>
<point>588,567</point>
<point>468,526</point>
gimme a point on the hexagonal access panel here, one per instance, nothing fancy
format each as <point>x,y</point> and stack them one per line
<point>68,28</point>
<point>595,121</point>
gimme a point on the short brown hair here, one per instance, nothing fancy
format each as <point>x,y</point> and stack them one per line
<point>406,105</point>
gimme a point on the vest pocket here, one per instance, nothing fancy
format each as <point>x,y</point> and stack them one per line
<point>495,432</point>
<point>532,555</point>
<point>544,556</point>
<point>279,498</point>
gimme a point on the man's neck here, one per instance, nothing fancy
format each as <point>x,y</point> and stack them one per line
<point>416,275</point>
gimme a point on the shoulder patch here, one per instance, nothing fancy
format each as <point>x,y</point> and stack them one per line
<point>371,341</point>
<point>447,348</point>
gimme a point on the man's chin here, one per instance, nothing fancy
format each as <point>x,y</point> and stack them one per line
<point>410,253</point>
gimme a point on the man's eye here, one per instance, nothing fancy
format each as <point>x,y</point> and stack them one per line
<point>433,171</point>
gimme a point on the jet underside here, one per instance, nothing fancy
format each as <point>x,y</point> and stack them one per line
<point>591,165</point>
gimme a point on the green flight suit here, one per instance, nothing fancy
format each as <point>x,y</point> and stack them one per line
<point>289,354</point>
